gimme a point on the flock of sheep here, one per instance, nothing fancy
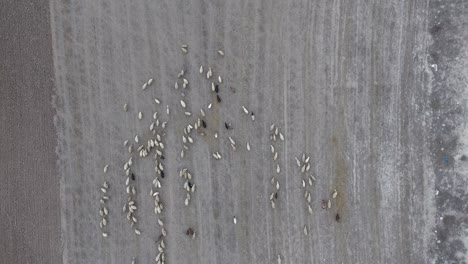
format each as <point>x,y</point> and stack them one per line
<point>153,145</point>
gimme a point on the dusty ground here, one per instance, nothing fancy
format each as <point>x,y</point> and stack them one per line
<point>347,83</point>
<point>351,83</point>
<point>29,201</point>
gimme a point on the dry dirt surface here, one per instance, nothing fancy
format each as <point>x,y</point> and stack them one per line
<point>29,187</point>
<point>346,84</point>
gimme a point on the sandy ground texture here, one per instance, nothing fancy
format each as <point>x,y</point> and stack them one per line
<point>29,187</point>
<point>347,84</point>
<point>372,91</point>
